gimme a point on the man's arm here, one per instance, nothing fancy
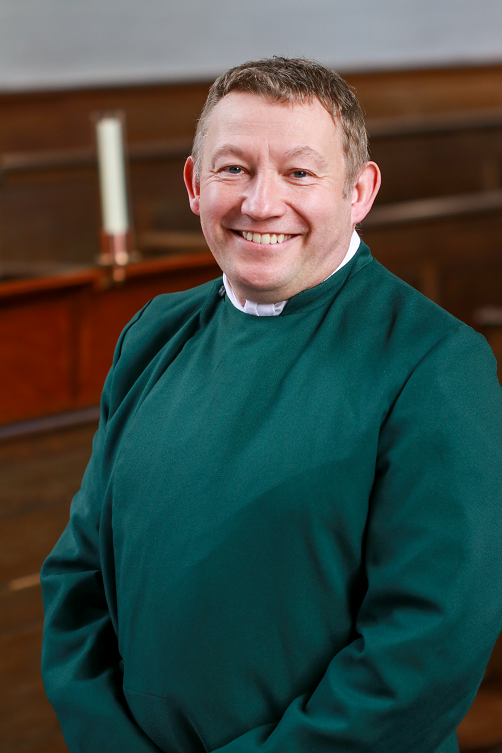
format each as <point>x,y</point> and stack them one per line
<point>433,606</point>
<point>80,658</point>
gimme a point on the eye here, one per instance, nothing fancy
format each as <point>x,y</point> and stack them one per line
<point>300,173</point>
<point>233,169</point>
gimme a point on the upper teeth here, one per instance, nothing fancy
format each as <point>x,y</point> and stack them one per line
<point>266,238</point>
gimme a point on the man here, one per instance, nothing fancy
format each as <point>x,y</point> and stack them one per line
<point>288,536</point>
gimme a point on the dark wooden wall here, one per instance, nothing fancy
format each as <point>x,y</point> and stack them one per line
<point>49,207</point>
<point>40,474</point>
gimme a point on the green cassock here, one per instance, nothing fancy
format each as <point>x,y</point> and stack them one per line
<point>288,538</point>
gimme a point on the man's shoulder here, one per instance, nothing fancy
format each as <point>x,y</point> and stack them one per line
<point>401,322</point>
<point>150,331</point>
<point>179,306</point>
<point>159,321</point>
<point>404,338</point>
<point>392,298</point>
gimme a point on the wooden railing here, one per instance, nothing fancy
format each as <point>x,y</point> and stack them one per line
<point>19,162</point>
<point>437,207</point>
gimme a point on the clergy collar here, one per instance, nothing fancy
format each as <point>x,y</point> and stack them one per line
<point>274,309</point>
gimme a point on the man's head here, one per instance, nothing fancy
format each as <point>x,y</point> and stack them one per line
<point>295,81</point>
<point>279,175</point>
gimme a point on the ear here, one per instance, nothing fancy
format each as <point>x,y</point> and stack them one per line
<point>192,186</point>
<point>365,191</point>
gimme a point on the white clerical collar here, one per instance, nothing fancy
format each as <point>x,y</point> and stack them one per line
<point>274,309</point>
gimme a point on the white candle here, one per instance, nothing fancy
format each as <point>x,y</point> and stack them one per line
<point>112,180</point>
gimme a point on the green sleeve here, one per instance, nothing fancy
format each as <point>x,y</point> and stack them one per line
<point>80,659</point>
<point>433,609</point>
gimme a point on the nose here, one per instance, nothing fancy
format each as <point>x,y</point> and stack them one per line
<point>262,198</point>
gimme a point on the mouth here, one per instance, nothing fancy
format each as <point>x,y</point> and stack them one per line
<point>264,239</point>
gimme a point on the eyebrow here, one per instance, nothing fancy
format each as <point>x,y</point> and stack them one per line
<point>306,151</point>
<point>227,149</point>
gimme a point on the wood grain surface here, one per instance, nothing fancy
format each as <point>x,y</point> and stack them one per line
<point>39,474</point>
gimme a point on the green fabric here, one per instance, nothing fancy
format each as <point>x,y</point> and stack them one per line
<point>288,536</point>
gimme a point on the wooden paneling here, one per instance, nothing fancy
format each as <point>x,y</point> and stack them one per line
<point>28,723</point>
<point>50,216</point>
<point>40,475</point>
<point>36,360</point>
<point>59,120</point>
<point>159,196</point>
<point>56,462</point>
<point>52,213</point>
<point>440,163</point>
<point>482,727</point>
<point>57,335</point>
<point>409,92</point>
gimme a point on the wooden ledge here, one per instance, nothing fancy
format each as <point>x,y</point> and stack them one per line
<point>32,283</point>
<point>99,277</point>
<point>51,159</point>
<point>52,422</point>
<point>433,208</point>
<point>170,264</point>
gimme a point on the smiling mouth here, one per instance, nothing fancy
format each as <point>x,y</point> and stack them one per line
<point>265,239</point>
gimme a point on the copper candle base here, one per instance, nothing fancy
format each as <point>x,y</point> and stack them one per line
<point>115,253</point>
<point>114,249</point>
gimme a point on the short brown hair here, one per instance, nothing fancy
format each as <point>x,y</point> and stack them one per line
<point>295,80</point>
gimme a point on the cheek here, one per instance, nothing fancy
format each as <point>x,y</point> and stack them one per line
<point>218,199</point>
<point>320,208</point>
<point>208,205</point>
<point>330,215</point>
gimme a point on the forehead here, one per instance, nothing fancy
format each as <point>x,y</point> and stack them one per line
<point>250,121</point>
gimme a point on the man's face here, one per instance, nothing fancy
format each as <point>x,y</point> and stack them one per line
<point>271,195</point>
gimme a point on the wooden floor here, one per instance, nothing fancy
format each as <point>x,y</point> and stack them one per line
<point>39,474</point>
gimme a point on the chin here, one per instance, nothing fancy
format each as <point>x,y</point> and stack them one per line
<point>261,280</point>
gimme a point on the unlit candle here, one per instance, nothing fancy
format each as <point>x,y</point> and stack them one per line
<point>112,175</point>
